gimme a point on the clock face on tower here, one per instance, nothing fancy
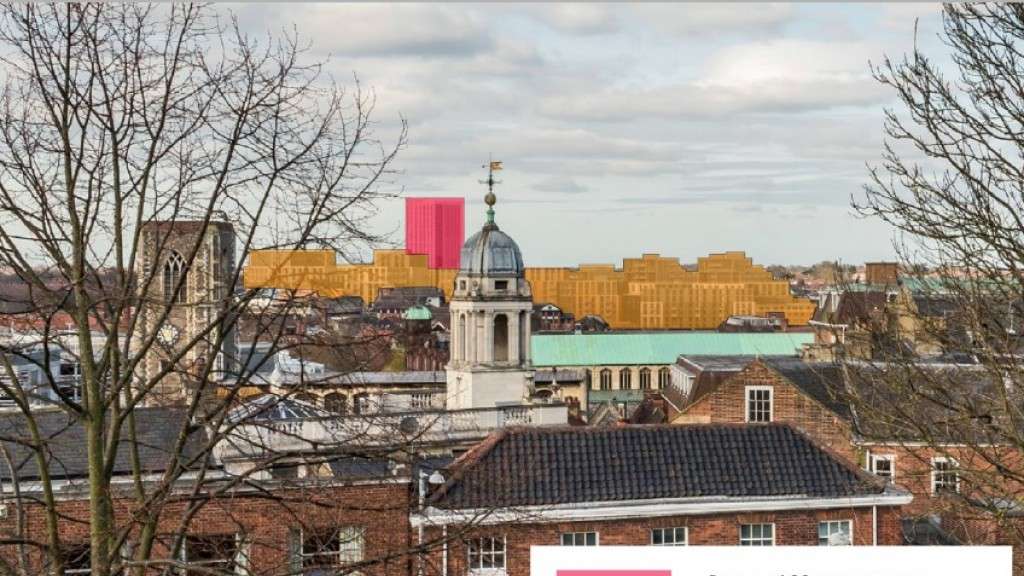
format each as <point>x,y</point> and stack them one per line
<point>167,335</point>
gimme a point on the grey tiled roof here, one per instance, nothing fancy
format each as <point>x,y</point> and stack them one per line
<point>64,443</point>
<point>822,381</point>
<point>525,467</point>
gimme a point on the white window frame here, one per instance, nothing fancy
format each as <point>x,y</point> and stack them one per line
<point>828,524</point>
<point>341,556</point>
<point>873,460</point>
<point>935,472</point>
<point>673,530</point>
<point>772,524</point>
<point>239,562</point>
<point>480,570</point>
<point>597,538</point>
<point>771,403</point>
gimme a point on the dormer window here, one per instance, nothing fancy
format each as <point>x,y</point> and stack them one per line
<point>759,403</point>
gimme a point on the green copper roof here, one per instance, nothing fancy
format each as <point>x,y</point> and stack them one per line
<point>622,348</point>
<point>417,313</point>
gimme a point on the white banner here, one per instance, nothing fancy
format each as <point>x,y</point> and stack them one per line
<point>770,561</point>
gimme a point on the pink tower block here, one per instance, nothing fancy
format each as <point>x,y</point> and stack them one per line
<point>435,227</point>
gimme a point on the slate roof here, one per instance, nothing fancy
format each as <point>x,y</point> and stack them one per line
<point>854,307</point>
<point>64,438</point>
<point>403,297</point>
<point>822,381</point>
<point>536,466</point>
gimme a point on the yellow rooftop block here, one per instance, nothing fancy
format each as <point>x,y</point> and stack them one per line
<point>650,292</point>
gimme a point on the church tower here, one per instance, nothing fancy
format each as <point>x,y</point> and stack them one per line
<point>490,321</point>
<point>183,297</point>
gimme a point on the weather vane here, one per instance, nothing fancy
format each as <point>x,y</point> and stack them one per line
<point>492,167</point>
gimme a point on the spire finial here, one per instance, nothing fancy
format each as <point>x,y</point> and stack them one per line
<point>492,167</point>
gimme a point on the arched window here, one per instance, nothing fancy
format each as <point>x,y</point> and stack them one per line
<point>606,379</point>
<point>306,397</point>
<point>645,378</point>
<point>174,271</point>
<point>625,379</point>
<point>664,378</point>
<point>500,338</point>
<point>336,402</point>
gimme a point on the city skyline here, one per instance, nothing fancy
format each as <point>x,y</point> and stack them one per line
<point>672,129</point>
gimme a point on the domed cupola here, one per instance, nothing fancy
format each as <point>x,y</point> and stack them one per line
<point>490,252</point>
<point>489,343</point>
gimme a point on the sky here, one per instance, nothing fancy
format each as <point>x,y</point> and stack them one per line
<point>679,129</point>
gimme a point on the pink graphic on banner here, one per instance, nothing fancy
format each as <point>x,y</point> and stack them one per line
<point>614,573</point>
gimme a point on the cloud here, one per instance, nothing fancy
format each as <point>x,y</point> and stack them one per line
<point>686,20</point>
<point>577,18</point>
<point>560,185</point>
<point>346,30</point>
<point>765,77</point>
<point>652,113</point>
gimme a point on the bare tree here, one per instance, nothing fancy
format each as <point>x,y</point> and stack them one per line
<point>952,184</point>
<point>144,151</point>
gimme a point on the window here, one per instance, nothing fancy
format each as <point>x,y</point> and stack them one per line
<point>757,535</point>
<point>645,378</point>
<point>462,284</point>
<point>501,284</point>
<point>625,379</point>
<point>77,559</point>
<point>211,553</point>
<point>486,554</point>
<point>606,379</point>
<point>579,539</point>
<point>336,402</point>
<point>664,378</point>
<point>759,404</point>
<point>284,471</point>
<point>174,270</point>
<point>324,550</point>
<point>883,466</point>
<point>945,477</point>
<point>668,537</point>
<point>835,533</point>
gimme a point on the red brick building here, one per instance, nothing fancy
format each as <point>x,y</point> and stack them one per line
<point>814,398</point>
<point>342,513</point>
<point>651,485</point>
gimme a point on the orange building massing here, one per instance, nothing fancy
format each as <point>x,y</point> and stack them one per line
<point>650,292</point>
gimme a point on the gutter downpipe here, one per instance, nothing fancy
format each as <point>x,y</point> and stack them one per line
<point>874,525</point>
<point>419,530</point>
<point>444,550</point>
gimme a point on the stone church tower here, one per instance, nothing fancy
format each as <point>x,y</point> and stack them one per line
<point>205,285</point>
<point>490,322</point>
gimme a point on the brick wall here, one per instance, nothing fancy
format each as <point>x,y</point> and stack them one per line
<point>727,404</point>
<point>382,511</point>
<point>792,528</point>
